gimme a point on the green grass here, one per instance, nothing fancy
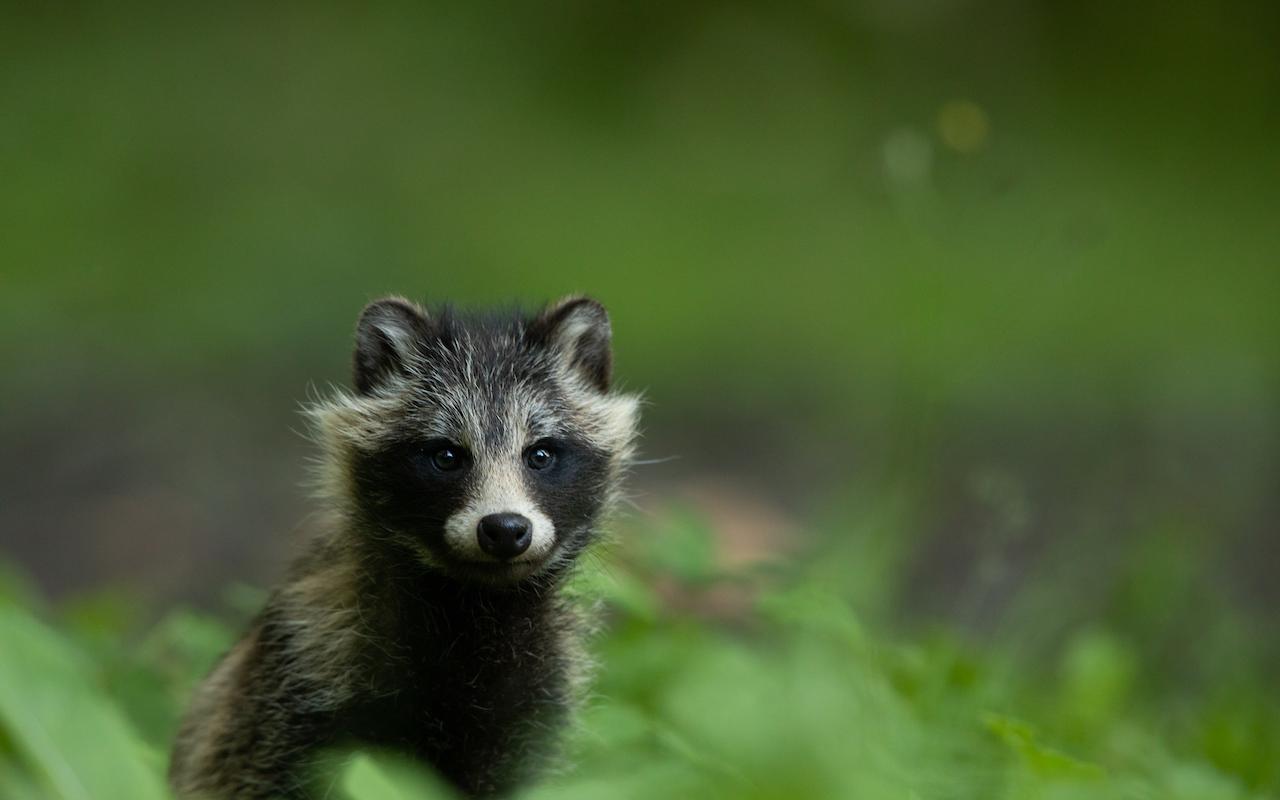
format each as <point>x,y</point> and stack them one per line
<point>771,682</point>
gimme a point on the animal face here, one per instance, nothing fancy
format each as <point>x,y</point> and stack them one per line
<point>487,447</point>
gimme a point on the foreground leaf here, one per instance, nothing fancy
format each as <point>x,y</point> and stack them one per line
<point>75,743</point>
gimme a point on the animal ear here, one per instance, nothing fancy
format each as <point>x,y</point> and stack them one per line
<point>386,337</point>
<point>577,328</point>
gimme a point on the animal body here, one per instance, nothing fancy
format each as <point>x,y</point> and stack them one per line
<point>462,478</point>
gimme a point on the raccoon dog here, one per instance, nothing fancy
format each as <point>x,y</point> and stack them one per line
<point>463,478</point>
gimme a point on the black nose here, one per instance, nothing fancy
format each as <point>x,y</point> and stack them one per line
<point>504,535</point>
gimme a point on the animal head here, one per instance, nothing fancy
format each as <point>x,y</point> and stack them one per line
<point>486,447</point>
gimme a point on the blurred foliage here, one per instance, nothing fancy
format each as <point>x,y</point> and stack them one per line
<point>988,201</point>
<point>1011,264</point>
<point>836,238</point>
<point>783,690</point>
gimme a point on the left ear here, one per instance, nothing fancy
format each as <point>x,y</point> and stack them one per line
<point>578,329</point>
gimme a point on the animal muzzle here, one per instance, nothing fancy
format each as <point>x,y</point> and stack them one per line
<point>504,536</point>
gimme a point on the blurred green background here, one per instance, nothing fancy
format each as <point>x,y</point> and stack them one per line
<point>957,321</point>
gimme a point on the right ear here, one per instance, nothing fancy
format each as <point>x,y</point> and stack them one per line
<point>386,337</point>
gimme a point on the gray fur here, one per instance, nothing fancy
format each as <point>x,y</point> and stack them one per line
<point>393,629</point>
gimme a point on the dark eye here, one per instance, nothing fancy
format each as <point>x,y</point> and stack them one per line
<point>539,457</point>
<point>447,458</point>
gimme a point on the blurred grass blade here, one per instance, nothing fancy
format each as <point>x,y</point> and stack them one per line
<point>370,777</point>
<point>73,741</point>
<point>1041,760</point>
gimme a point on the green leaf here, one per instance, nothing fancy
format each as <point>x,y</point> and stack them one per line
<point>1041,760</point>
<point>74,743</point>
<point>684,547</point>
<point>596,579</point>
<point>369,777</point>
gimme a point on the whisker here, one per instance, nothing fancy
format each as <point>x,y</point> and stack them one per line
<point>647,461</point>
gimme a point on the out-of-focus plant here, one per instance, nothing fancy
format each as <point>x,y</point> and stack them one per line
<point>794,695</point>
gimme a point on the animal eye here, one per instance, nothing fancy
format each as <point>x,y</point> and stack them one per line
<point>539,457</point>
<point>447,458</point>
